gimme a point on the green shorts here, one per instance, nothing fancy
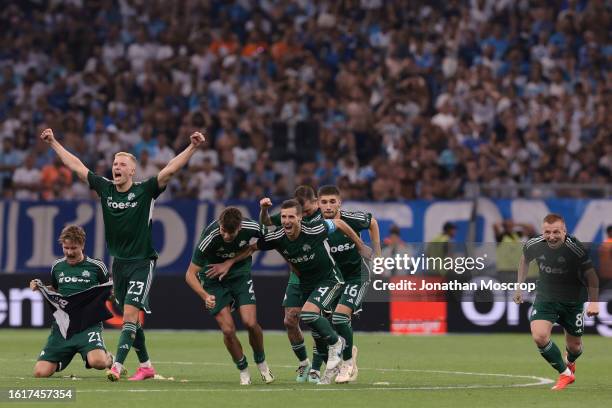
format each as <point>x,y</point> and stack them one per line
<point>293,296</point>
<point>132,282</point>
<point>324,295</point>
<point>234,291</point>
<point>352,295</point>
<point>61,351</point>
<point>569,315</point>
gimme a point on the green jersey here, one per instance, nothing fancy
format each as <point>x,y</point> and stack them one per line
<point>309,253</point>
<point>343,248</point>
<point>276,221</point>
<point>212,248</point>
<point>70,279</point>
<point>561,270</point>
<point>127,216</point>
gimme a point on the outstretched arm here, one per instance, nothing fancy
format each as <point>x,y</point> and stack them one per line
<point>221,269</point>
<point>375,237</point>
<point>179,161</point>
<point>69,159</point>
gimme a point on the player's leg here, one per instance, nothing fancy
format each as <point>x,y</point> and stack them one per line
<point>43,369</point>
<point>228,328</point>
<point>319,356</point>
<point>572,321</point>
<point>248,315</point>
<point>573,348</point>
<point>292,303</point>
<point>541,331</point>
<point>99,359</point>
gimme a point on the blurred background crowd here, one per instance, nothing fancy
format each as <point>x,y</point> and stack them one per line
<point>387,99</point>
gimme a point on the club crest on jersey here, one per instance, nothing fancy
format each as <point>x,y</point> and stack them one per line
<point>86,274</point>
<point>131,196</point>
<point>242,243</point>
<point>306,248</point>
<point>561,259</point>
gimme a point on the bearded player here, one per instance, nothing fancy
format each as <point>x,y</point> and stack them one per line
<point>566,277</point>
<point>127,209</point>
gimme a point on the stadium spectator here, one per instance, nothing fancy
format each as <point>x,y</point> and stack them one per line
<point>27,180</point>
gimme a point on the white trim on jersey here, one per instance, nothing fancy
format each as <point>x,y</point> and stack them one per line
<point>56,262</point>
<point>573,246</point>
<point>149,280</point>
<point>534,241</point>
<point>100,264</point>
<point>271,236</point>
<point>208,239</point>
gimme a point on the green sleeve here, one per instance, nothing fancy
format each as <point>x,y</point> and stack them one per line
<point>276,219</point>
<point>98,183</point>
<point>152,186</point>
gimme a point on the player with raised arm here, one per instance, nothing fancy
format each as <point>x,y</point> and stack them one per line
<point>293,302</point>
<point>220,273</point>
<point>355,272</point>
<point>74,273</point>
<point>127,209</point>
<point>566,276</point>
<point>305,246</point>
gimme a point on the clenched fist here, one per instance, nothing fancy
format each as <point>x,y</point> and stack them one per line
<point>47,135</point>
<point>197,138</point>
<point>265,202</point>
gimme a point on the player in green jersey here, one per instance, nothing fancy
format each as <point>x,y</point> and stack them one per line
<point>220,273</point>
<point>566,277</point>
<point>305,246</point>
<point>293,302</point>
<point>127,209</point>
<point>355,272</point>
<point>74,273</point>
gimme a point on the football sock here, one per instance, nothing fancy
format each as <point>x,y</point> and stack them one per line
<point>242,363</point>
<point>126,339</point>
<point>300,350</point>
<point>139,345</point>
<point>259,357</point>
<point>315,322</point>
<point>342,324</point>
<point>552,354</point>
<point>319,352</point>
<point>571,357</point>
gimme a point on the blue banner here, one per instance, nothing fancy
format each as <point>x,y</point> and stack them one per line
<point>29,230</point>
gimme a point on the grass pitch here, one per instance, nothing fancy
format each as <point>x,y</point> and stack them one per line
<point>453,370</point>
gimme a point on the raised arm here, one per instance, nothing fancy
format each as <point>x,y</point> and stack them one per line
<point>523,268</point>
<point>264,216</point>
<point>375,237</point>
<point>180,160</point>
<point>69,159</point>
<point>363,249</point>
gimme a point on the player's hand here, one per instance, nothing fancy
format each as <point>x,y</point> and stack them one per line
<point>210,302</point>
<point>518,297</point>
<point>265,202</point>
<point>47,136</point>
<point>365,251</point>
<point>218,270</point>
<point>33,285</point>
<point>592,309</point>
<point>197,138</point>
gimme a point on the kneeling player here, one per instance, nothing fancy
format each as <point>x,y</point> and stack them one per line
<point>564,266</point>
<point>222,262</point>
<point>69,275</point>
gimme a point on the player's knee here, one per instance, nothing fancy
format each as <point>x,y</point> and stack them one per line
<point>40,372</point>
<point>540,339</point>
<point>291,320</point>
<point>228,332</point>
<point>250,324</point>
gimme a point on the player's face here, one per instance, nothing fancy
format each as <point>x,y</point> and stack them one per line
<point>290,220</point>
<point>310,207</point>
<point>73,251</point>
<point>228,236</point>
<point>554,233</point>
<point>123,169</point>
<point>329,205</point>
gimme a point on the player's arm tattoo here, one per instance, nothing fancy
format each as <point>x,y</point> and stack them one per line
<point>375,237</point>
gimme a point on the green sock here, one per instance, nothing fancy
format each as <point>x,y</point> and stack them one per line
<point>300,350</point>
<point>319,352</point>
<point>139,345</point>
<point>242,363</point>
<point>552,354</point>
<point>571,357</point>
<point>342,324</point>
<point>126,339</point>
<point>315,322</point>
<point>259,357</point>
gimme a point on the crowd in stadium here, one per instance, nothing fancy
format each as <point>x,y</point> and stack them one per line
<point>386,99</point>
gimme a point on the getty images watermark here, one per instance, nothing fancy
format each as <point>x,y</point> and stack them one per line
<point>438,273</point>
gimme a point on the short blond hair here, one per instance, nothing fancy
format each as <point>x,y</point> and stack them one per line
<point>73,233</point>
<point>128,155</point>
